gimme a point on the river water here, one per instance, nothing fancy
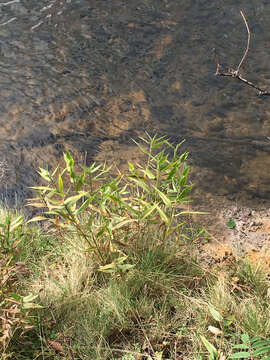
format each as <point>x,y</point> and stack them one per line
<point>89,75</point>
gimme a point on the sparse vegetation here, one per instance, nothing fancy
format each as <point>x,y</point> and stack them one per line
<point>109,270</point>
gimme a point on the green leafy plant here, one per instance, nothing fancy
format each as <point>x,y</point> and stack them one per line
<point>224,323</point>
<point>231,223</point>
<point>252,348</point>
<point>161,185</point>
<point>107,213</point>
<point>10,233</point>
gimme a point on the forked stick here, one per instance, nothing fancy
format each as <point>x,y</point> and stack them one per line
<point>236,73</point>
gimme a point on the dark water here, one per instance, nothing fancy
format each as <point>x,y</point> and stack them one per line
<point>89,75</point>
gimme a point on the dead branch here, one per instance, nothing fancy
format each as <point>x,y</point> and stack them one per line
<point>248,42</point>
<point>236,73</point>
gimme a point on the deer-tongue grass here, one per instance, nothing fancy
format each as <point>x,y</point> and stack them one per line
<point>107,215</point>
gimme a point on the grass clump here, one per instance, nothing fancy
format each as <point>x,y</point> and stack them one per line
<point>113,273</point>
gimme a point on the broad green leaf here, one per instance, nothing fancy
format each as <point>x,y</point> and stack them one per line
<point>29,298</point>
<point>175,228</point>
<point>68,159</point>
<point>43,188</point>
<point>121,259</point>
<point>162,215</point>
<point>63,213</point>
<point>231,223</point>
<point>185,171</point>
<point>228,321</point>
<point>91,169</point>
<point>60,184</point>
<point>70,166</point>
<point>83,206</point>
<point>181,197</point>
<point>255,338</point>
<point>216,315</point>
<point>90,248</point>
<point>210,348</point>
<point>16,223</point>
<point>55,171</point>
<point>158,144</point>
<point>164,198</point>
<point>101,231</point>
<point>149,174</point>
<point>241,346</point>
<point>73,199</point>
<point>37,218</point>
<point>141,184</point>
<point>171,174</point>
<point>80,182</point>
<point>260,343</point>
<point>130,166</point>
<point>29,306</point>
<point>36,204</point>
<point>159,355</point>
<point>245,338</point>
<point>108,268</point>
<point>130,208</point>
<point>240,355</point>
<point>183,157</point>
<point>44,174</point>
<point>187,212</point>
<point>126,267</point>
<point>262,351</point>
<point>16,297</point>
<point>149,211</point>
<point>122,223</point>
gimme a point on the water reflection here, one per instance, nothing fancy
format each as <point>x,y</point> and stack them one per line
<point>91,75</point>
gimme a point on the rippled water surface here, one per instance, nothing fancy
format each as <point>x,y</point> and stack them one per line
<point>89,75</point>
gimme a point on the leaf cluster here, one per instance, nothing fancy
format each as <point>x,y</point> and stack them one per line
<point>107,212</point>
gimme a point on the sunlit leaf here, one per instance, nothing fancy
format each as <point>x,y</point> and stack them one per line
<point>122,223</point>
<point>16,223</point>
<point>164,198</point>
<point>240,355</point>
<point>44,174</point>
<point>216,315</point>
<point>80,182</point>
<point>241,346</point>
<point>262,351</point>
<point>84,206</point>
<point>60,184</point>
<point>29,306</point>
<point>149,211</point>
<point>130,166</point>
<point>149,174</point>
<point>29,298</point>
<point>162,215</point>
<point>36,218</point>
<point>210,348</point>
<point>73,199</point>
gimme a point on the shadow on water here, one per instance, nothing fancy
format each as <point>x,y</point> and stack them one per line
<point>89,76</point>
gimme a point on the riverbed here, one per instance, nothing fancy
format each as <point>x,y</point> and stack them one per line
<point>89,76</point>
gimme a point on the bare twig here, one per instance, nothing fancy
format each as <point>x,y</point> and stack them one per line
<point>236,73</point>
<point>248,42</point>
